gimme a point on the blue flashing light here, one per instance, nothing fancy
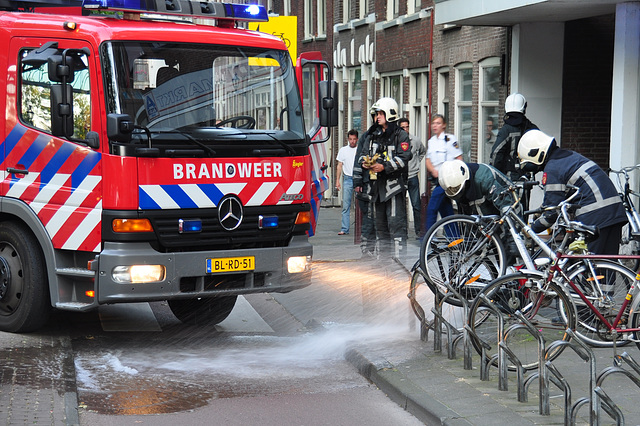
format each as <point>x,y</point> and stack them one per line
<point>246,12</point>
<point>266,222</point>
<point>189,226</point>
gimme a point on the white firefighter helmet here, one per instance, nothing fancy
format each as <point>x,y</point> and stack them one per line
<point>534,146</point>
<point>388,106</point>
<point>452,176</point>
<point>515,103</point>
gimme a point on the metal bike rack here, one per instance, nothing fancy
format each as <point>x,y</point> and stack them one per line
<point>606,402</point>
<point>425,325</point>
<point>547,372</point>
<point>587,355</point>
<point>454,336</point>
<point>463,335</point>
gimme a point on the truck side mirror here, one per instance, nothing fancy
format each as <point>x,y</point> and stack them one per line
<point>61,110</point>
<point>58,68</point>
<point>328,93</point>
<point>119,127</point>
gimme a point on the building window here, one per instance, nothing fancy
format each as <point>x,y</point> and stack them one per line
<point>489,95</point>
<point>392,87</point>
<point>286,7</point>
<point>308,19</point>
<point>364,8</point>
<point>322,18</point>
<point>419,100</point>
<point>355,100</point>
<point>413,6</point>
<point>464,98</point>
<point>346,10</point>
<point>443,93</point>
<point>393,9</point>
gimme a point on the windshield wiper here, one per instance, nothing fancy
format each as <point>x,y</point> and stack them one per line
<point>281,143</point>
<point>186,135</point>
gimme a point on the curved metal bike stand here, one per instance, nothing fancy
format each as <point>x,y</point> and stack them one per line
<point>546,373</point>
<point>463,335</point>
<point>425,325</point>
<point>605,401</point>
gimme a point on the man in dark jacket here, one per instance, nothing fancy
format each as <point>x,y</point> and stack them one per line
<point>504,155</point>
<point>599,202</point>
<point>380,174</point>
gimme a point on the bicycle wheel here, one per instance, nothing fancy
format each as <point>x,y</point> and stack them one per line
<point>455,250</point>
<point>614,281</point>
<point>635,323</point>
<point>550,310</point>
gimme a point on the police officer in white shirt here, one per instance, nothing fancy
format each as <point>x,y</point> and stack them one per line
<point>441,147</point>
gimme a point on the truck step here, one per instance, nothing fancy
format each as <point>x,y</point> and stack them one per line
<point>74,306</point>
<point>75,272</point>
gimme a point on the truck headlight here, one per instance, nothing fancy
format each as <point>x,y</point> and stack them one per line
<point>298,264</point>
<point>138,274</point>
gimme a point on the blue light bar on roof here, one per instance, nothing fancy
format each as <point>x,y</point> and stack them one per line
<point>202,9</point>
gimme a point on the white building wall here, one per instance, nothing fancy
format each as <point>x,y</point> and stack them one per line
<point>536,72</point>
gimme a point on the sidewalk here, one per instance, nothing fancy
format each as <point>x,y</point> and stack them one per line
<point>438,390</point>
<point>37,378</point>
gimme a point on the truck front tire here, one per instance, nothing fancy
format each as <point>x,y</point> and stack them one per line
<point>24,290</point>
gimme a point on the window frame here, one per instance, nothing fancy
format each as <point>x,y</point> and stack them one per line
<point>483,104</point>
<point>386,87</point>
<point>419,106</point>
<point>461,106</point>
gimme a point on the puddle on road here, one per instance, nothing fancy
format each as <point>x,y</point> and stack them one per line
<point>179,375</point>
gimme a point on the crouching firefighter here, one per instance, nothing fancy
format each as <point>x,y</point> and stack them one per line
<point>380,174</point>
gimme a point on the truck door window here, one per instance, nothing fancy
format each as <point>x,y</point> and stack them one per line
<point>35,105</point>
<point>310,96</point>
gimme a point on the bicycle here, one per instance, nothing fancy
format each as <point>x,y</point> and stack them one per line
<point>467,252</point>
<point>544,300</point>
<point>459,259</point>
<point>630,243</point>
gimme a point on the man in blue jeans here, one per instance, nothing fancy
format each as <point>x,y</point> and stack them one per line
<point>345,158</point>
<point>441,147</point>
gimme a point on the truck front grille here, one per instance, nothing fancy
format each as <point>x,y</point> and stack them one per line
<point>215,237</point>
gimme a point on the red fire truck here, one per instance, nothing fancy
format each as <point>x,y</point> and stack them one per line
<point>155,151</point>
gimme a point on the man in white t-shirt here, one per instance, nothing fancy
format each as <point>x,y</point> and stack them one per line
<point>441,147</point>
<point>346,157</point>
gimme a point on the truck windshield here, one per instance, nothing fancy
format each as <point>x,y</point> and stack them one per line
<point>177,87</point>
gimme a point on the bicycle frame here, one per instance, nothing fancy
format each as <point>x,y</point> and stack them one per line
<point>631,294</point>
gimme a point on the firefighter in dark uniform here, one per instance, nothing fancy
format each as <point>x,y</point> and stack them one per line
<point>599,203</point>
<point>504,155</point>
<point>380,174</point>
<point>476,188</point>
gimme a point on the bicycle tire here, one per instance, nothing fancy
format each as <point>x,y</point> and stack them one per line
<point>449,253</point>
<point>634,322</point>
<point>511,293</point>
<point>616,281</point>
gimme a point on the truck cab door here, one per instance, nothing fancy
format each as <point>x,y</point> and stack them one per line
<point>311,73</point>
<point>58,177</point>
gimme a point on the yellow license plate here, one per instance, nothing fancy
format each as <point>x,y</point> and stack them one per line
<point>231,264</point>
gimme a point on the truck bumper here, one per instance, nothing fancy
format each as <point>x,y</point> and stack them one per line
<point>187,277</point>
